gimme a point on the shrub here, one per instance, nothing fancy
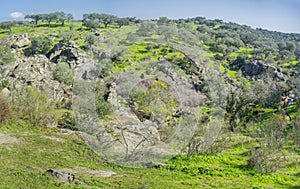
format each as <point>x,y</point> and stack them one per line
<point>296,129</point>
<point>67,120</point>
<point>63,73</point>
<point>5,110</point>
<point>67,35</point>
<point>3,83</point>
<point>103,107</point>
<point>90,40</point>
<point>33,106</point>
<point>41,44</point>
<point>152,100</point>
<point>267,157</point>
<point>6,56</point>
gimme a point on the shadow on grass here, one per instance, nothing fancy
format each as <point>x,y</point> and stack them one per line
<point>291,187</point>
<point>4,32</point>
<point>58,25</point>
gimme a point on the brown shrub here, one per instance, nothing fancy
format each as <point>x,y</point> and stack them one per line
<point>5,109</point>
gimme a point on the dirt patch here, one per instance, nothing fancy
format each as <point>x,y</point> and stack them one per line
<point>53,138</point>
<point>88,172</point>
<point>7,139</point>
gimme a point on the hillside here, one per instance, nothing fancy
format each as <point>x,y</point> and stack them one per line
<point>188,103</point>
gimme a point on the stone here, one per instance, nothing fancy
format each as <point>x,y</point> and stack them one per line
<point>66,52</point>
<point>256,69</point>
<point>18,41</point>
<point>63,177</point>
<point>35,71</point>
<point>5,92</point>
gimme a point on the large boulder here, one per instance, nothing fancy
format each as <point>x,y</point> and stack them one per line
<point>66,52</point>
<point>18,41</point>
<point>35,71</point>
<point>257,69</point>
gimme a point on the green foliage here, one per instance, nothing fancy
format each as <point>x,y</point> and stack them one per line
<point>63,17</point>
<point>90,40</point>
<point>91,24</point>
<point>3,82</point>
<point>122,22</point>
<point>34,106</point>
<point>234,166</point>
<point>147,29</point>
<point>56,16</point>
<point>67,35</point>
<point>35,17</point>
<point>91,19</point>
<point>103,108</point>
<point>41,44</point>
<point>5,110</point>
<point>66,120</point>
<point>6,56</point>
<point>7,26</point>
<point>153,100</point>
<point>63,73</point>
<point>237,107</point>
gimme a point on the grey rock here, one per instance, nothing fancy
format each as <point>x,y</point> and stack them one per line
<point>21,43</point>
<point>35,71</point>
<point>17,41</point>
<point>5,92</point>
<point>66,52</point>
<point>256,69</point>
<point>63,177</point>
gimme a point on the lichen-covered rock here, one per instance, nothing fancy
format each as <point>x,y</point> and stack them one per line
<point>17,41</point>
<point>35,71</point>
<point>66,52</point>
<point>257,69</point>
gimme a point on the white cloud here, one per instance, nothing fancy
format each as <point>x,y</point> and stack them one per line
<point>16,15</point>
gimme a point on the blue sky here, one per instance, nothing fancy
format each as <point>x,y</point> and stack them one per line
<point>279,15</point>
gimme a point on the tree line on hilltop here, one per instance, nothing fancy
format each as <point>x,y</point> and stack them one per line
<point>221,37</point>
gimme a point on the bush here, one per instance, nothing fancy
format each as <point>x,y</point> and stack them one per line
<point>267,157</point>
<point>67,35</point>
<point>63,73</point>
<point>90,40</point>
<point>67,120</point>
<point>41,44</point>
<point>103,107</point>
<point>5,110</point>
<point>296,133</point>
<point>33,106</point>
<point>3,83</point>
<point>6,56</point>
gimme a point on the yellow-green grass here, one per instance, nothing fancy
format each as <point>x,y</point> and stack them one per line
<point>24,163</point>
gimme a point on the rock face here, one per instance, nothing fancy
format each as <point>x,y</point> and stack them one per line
<point>256,69</point>
<point>18,41</point>
<point>36,71</point>
<point>66,52</point>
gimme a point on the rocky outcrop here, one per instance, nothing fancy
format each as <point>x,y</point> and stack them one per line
<point>66,52</point>
<point>35,71</point>
<point>256,69</point>
<point>63,177</point>
<point>18,41</point>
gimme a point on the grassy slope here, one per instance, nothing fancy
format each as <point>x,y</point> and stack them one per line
<point>23,164</point>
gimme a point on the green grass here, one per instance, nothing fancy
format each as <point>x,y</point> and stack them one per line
<point>292,63</point>
<point>23,165</point>
<point>233,74</point>
<point>242,50</point>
